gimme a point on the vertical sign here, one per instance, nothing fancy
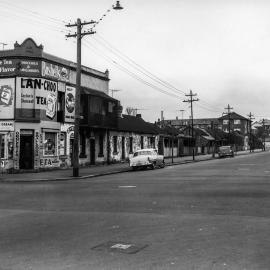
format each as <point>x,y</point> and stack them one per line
<point>7,94</point>
<point>70,104</point>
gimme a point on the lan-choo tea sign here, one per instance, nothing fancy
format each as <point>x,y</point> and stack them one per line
<point>37,93</point>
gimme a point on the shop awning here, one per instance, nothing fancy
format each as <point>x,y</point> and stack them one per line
<point>96,93</point>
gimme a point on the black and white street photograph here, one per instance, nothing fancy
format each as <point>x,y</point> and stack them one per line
<point>135,135</point>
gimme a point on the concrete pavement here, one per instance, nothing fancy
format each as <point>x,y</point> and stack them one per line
<point>97,170</point>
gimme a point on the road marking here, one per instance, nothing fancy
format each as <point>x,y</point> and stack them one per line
<point>126,186</point>
<point>243,169</point>
<point>253,164</point>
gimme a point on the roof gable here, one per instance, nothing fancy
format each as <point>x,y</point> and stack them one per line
<point>233,116</point>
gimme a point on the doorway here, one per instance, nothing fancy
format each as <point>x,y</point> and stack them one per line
<point>26,152</point>
<point>92,151</point>
<point>123,148</point>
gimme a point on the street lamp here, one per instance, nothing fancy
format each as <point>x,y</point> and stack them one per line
<point>79,34</point>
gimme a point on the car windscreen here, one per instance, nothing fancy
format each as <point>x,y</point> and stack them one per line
<point>143,153</point>
<point>224,148</point>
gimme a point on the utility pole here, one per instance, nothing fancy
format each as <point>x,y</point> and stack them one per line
<point>114,90</point>
<point>182,114</point>
<point>79,35</point>
<point>228,108</point>
<point>3,44</point>
<point>191,100</point>
<point>263,121</point>
<point>250,116</point>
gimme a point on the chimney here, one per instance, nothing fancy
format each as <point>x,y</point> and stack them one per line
<point>119,110</point>
<point>162,116</point>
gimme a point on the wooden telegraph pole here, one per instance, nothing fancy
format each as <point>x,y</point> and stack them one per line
<point>191,100</point>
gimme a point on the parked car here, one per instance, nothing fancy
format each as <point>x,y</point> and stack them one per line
<point>225,151</point>
<point>146,158</point>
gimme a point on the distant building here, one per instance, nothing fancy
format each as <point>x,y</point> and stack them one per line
<point>198,123</point>
<point>234,122</point>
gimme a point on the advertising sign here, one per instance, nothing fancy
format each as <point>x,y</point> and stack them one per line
<point>70,104</point>
<point>6,125</point>
<point>7,98</point>
<point>55,72</point>
<point>37,93</point>
<point>26,67</point>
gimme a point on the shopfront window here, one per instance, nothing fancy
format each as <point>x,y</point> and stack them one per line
<point>50,145</point>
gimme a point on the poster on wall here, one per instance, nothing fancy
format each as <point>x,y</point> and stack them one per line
<point>7,98</point>
<point>70,104</point>
<point>55,72</point>
<point>37,94</point>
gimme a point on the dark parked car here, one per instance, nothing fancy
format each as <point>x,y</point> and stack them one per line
<point>225,151</point>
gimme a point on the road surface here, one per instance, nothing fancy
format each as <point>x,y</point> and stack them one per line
<point>207,215</point>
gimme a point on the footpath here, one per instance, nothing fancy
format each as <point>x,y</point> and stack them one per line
<point>99,170</point>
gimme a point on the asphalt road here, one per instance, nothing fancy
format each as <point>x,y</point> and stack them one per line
<point>208,215</point>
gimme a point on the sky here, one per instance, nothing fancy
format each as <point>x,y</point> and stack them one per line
<point>157,51</point>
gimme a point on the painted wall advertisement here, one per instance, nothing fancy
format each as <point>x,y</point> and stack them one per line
<point>26,67</point>
<point>55,72</point>
<point>70,104</point>
<point>37,93</point>
<point>7,98</point>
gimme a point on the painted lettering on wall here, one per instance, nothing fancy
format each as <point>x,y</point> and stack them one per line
<point>49,162</point>
<point>17,143</point>
<point>37,144</point>
<point>37,93</point>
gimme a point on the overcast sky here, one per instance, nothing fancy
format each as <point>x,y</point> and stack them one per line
<point>157,50</point>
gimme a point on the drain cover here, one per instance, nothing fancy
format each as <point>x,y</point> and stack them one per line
<point>122,247</point>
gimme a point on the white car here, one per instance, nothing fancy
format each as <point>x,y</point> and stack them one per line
<point>146,158</point>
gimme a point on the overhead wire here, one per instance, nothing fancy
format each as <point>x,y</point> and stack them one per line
<point>39,19</point>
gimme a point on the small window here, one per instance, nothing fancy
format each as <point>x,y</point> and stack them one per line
<point>237,122</point>
<point>225,122</point>
<point>115,144</point>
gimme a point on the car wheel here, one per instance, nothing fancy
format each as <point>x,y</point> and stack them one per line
<point>153,165</point>
<point>134,168</point>
<point>162,164</point>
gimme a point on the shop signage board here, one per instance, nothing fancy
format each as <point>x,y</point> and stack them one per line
<point>56,72</point>
<point>7,98</point>
<point>37,93</point>
<point>70,104</point>
<point>6,125</point>
<point>27,67</point>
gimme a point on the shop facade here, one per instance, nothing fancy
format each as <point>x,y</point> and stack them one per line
<point>37,110</point>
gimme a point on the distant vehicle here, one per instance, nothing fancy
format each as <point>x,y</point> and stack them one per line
<point>147,158</point>
<point>225,151</point>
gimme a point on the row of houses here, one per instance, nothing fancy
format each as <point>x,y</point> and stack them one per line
<point>37,112</point>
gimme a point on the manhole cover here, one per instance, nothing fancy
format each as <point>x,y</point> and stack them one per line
<point>123,247</point>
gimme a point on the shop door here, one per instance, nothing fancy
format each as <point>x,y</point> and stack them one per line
<point>92,151</point>
<point>26,152</point>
